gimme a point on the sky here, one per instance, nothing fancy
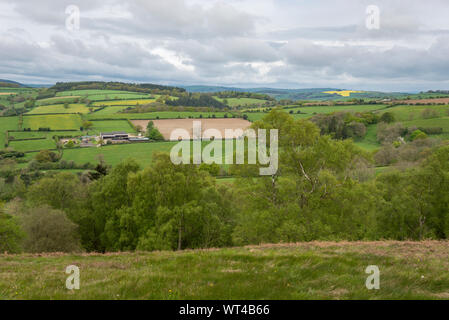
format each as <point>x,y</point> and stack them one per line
<point>241,43</point>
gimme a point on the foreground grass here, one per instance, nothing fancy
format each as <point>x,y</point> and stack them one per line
<point>317,270</point>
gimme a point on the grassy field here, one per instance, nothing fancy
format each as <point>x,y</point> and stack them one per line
<point>110,110</point>
<point>115,154</point>
<point>33,145</point>
<point>111,125</point>
<point>234,102</point>
<point>310,111</point>
<point>59,108</point>
<point>315,270</point>
<point>369,141</point>
<point>410,113</point>
<point>156,115</point>
<point>130,102</point>
<point>54,122</point>
<point>7,123</point>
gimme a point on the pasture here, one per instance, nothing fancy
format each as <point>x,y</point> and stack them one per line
<point>60,108</point>
<point>111,125</point>
<point>33,145</point>
<point>234,102</point>
<point>114,154</point>
<point>310,270</point>
<point>54,122</point>
<point>110,110</point>
<point>409,113</point>
<point>7,123</point>
<point>158,115</point>
<point>129,102</point>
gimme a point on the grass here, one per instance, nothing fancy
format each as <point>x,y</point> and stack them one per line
<point>315,270</point>
<point>114,154</point>
<point>59,108</point>
<point>310,111</point>
<point>33,145</point>
<point>111,125</point>
<point>233,102</point>
<point>410,113</point>
<point>54,122</point>
<point>369,141</point>
<point>132,102</point>
<point>155,115</point>
<point>7,123</point>
<point>110,110</point>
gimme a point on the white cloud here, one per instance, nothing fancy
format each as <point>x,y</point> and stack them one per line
<point>235,42</point>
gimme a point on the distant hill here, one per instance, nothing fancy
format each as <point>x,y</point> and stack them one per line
<point>297,94</point>
<point>10,83</point>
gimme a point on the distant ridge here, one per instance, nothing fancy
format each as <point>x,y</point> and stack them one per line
<point>294,94</point>
<point>12,83</point>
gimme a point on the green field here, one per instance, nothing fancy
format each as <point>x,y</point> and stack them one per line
<point>54,122</point>
<point>308,112</point>
<point>410,113</point>
<point>369,141</point>
<point>111,125</point>
<point>156,115</point>
<point>115,154</point>
<point>56,100</point>
<point>59,108</point>
<point>110,110</point>
<point>130,102</point>
<point>7,123</point>
<point>314,270</point>
<point>234,102</point>
<point>33,145</point>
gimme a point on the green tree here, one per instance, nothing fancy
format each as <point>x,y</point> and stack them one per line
<point>49,230</point>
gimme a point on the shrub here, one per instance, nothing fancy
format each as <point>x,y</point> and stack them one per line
<point>10,234</point>
<point>429,113</point>
<point>49,230</point>
<point>417,134</point>
<point>387,117</point>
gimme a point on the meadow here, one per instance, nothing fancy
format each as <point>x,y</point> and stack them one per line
<point>157,115</point>
<point>59,108</point>
<point>111,125</point>
<point>33,145</point>
<point>409,113</point>
<point>114,154</point>
<point>234,102</point>
<point>130,102</point>
<point>7,123</point>
<point>54,122</point>
<point>311,270</point>
<point>109,110</point>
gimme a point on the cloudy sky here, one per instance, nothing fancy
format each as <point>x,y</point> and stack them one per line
<point>249,43</point>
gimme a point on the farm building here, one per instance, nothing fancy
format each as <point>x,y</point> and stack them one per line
<point>115,135</point>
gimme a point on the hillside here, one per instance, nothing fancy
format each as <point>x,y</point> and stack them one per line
<point>298,94</point>
<point>315,270</point>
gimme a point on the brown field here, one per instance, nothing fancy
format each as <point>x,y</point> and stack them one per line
<point>6,93</point>
<point>424,101</point>
<point>167,126</point>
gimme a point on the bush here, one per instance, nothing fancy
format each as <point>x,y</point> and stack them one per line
<point>49,230</point>
<point>10,234</point>
<point>429,113</point>
<point>387,117</point>
<point>417,134</point>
